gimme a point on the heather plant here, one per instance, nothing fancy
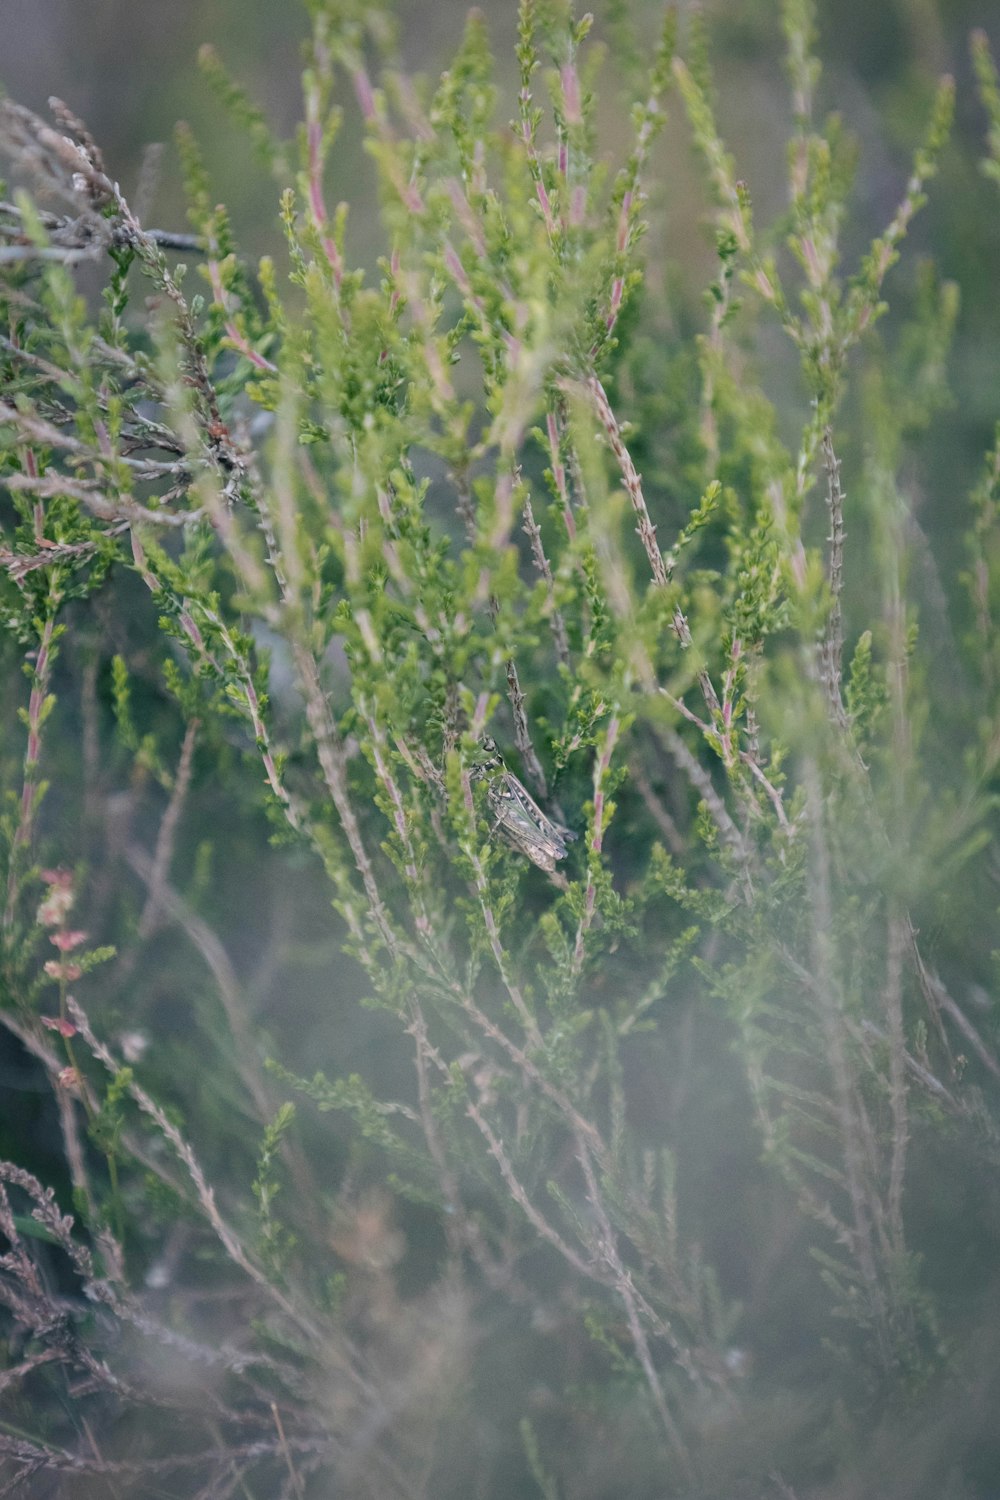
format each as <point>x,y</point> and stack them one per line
<point>592,1140</point>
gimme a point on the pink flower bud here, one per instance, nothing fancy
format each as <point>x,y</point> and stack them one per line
<point>67,941</point>
<point>57,970</point>
<point>57,1023</point>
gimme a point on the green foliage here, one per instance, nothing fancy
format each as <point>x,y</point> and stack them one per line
<point>341,530</point>
<point>276,1241</point>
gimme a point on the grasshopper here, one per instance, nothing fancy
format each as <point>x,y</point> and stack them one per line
<point>518,816</point>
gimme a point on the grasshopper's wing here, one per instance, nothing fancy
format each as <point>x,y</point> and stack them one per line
<point>524,824</point>
<point>553,831</point>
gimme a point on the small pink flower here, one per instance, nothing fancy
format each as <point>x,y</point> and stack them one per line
<point>68,1078</point>
<point>57,970</point>
<point>67,941</point>
<point>57,1023</point>
<point>58,898</point>
<point>56,906</point>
